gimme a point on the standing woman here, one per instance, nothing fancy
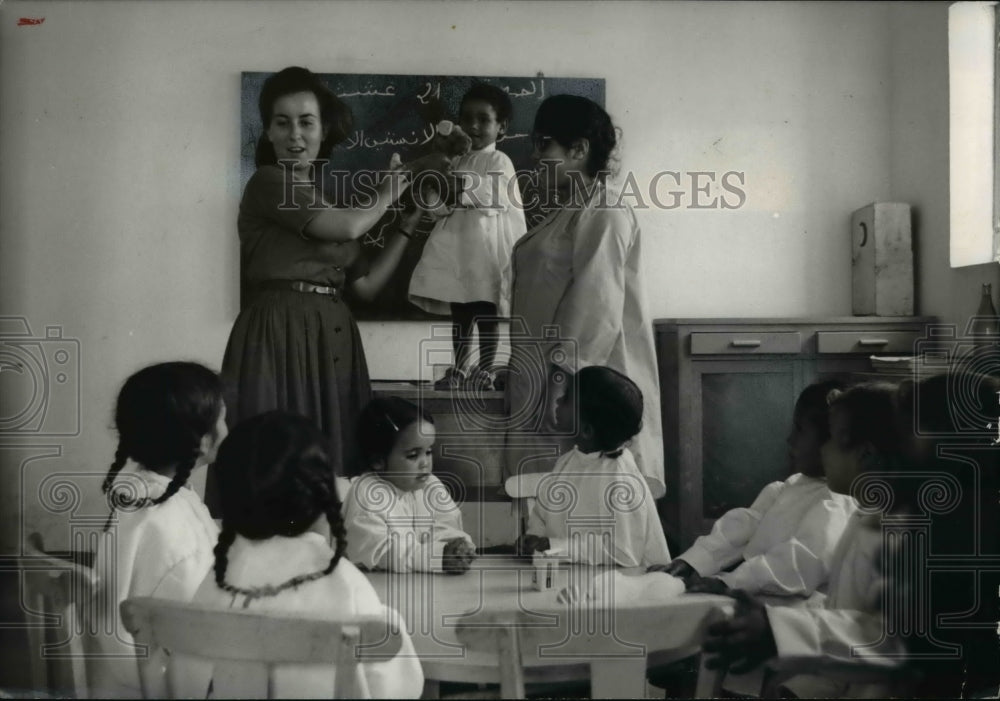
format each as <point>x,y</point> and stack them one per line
<point>295,345</point>
<point>578,297</point>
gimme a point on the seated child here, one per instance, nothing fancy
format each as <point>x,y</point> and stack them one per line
<point>399,516</point>
<point>159,535</point>
<point>850,626</point>
<point>787,536</point>
<point>279,513</point>
<point>612,518</point>
<point>944,424</point>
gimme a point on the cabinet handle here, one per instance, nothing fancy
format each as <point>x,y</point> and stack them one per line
<point>873,341</point>
<point>745,343</point>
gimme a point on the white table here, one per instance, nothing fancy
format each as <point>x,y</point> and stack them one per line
<point>432,605</point>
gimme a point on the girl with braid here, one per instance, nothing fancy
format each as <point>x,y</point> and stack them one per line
<point>282,549</point>
<point>159,536</point>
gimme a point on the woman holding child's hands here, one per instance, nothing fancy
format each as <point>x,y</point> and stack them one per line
<point>295,345</point>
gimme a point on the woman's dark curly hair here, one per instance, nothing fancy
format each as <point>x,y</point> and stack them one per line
<point>336,117</point>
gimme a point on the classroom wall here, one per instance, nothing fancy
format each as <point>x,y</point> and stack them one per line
<point>919,169</point>
<point>119,185</point>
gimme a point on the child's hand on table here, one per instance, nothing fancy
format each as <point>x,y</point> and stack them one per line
<point>706,585</point>
<point>676,567</point>
<point>744,641</point>
<point>458,556</point>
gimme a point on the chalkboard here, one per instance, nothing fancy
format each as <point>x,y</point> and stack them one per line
<point>397,114</point>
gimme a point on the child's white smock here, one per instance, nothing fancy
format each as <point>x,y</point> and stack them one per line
<point>850,620</point>
<point>467,256</point>
<point>163,551</point>
<point>588,497</point>
<point>400,531</point>
<point>343,593</point>
<point>786,538</point>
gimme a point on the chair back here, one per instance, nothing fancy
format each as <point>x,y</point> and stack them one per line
<point>523,489</point>
<point>55,593</point>
<point>617,642</point>
<point>244,647</point>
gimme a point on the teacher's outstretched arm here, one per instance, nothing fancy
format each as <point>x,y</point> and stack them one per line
<point>347,224</point>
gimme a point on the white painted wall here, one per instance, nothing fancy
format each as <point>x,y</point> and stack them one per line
<point>919,159</point>
<point>119,184</point>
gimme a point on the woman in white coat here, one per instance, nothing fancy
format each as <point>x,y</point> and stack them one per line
<point>578,297</point>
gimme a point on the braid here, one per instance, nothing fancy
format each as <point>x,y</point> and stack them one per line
<point>179,480</point>
<point>338,533</point>
<point>121,457</point>
<point>226,538</point>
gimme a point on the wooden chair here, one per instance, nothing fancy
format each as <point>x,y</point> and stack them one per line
<point>900,678</point>
<point>617,644</point>
<point>245,646</point>
<point>55,594</point>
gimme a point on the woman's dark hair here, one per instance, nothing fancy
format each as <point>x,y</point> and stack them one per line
<point>494,96</point>
<point>567,118</point>
<point>611,404</point>
<point>162,413</point>
<point>275,479</point>
<point>813,405</point>
<point>380,424</point>
<point>336,117</point>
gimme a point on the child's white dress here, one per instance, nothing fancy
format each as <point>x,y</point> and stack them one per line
<point>850,620</point>
<point>391,529</point>
<point>162,551</point>
<point>467,256</point>
<point>343,592</point>
<point>603,508</point>
<point>786,539</point>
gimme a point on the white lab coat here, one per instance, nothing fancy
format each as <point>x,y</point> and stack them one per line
<point>162,551</point>
<point>588,496</point>
<point>390,529</point>
<point>786,539</point>
<point>579,299</point>
<point>342,593</point>
<point>850,620</point>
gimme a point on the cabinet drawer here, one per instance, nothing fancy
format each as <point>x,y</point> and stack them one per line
<point>866,341</point>
<point>745,342</point>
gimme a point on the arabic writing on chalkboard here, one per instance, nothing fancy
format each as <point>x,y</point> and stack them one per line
<point>397,114</point>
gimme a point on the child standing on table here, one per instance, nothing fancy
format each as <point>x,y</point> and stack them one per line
<point>399,516</point>
<point>863,438</point>
<point>786,538</point>
<point>281,550</point>
<point>596,507</point>
<point>159,535</point>
<point>465,266</point>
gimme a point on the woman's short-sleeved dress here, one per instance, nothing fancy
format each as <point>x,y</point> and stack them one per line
<point>290,350</point>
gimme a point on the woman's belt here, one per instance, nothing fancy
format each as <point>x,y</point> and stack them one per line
<point>301,286</point>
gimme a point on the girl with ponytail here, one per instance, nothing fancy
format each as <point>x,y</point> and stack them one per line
<point>158,536</point>
<point>282,549</point>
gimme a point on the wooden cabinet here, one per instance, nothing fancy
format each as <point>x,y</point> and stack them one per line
<point>728,389</point>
